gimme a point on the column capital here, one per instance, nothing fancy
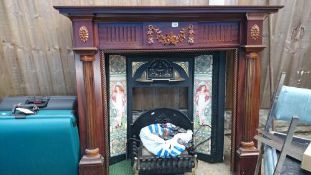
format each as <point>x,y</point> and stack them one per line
<point>85,50</point>
<point>252,55</point>
<point>253,48</point>
<point>255,16</point>
<point>87,58</point>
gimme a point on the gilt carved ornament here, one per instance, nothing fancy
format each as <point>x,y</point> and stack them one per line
<point>255,32</point>
<point>170,39</point>
<point>83,33</point>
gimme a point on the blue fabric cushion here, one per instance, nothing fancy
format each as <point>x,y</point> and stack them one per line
<point>270,160</point>
<point>294,102</point>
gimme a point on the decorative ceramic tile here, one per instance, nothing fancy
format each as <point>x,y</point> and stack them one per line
<point>203,64</point>
<point>202,101</point>
<point>136,65</point>
<point>184,65</point>
<point>117,65</point>
<point>118,105</point>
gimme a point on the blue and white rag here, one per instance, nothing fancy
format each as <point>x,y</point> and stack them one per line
<point>151,139</point>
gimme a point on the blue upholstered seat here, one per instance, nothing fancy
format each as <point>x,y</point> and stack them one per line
<point>294,102</point>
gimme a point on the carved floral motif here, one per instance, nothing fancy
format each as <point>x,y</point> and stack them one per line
<point>83,33</point>
<point>170,39</point>
<point>255,32</point>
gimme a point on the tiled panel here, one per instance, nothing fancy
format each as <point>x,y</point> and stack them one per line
<point>118,105</point>
<point>202,101</point>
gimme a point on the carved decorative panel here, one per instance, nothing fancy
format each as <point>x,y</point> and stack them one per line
<point>159,35</point>
<point>169,35</point>
<point>120,36</point>
<point>225,33</point>
<point>254,34</point>
<point>154,33</point>
<point>83,34</point>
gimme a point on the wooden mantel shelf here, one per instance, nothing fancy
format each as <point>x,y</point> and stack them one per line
<point>101,10</point>
<point>154,13</point>
<point>98,30</point>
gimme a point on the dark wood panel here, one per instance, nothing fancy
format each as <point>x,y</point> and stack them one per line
<point>168,35</point>
<point>211,33</point>
<point>120,35</point>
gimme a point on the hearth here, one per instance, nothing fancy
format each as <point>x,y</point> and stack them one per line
<point>192,83</point>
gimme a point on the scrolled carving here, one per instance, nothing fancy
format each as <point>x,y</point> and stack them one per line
<point>255,32</point>
<point>170,39</point>
<point>83,33</point>
<point>190,34</point>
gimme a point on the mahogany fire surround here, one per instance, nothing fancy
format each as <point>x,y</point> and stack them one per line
<point>98,30</point>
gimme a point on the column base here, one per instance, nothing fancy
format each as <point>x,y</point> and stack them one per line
<point>92,165</point>
<point>247,156</point>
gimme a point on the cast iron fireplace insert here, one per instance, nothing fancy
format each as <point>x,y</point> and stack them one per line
<point>157,77</point>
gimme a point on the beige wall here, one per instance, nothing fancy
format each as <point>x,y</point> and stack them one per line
<point>36,55</point>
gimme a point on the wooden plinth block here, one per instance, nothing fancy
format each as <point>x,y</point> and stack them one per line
<point>92,165</point>
<point>247,159</point>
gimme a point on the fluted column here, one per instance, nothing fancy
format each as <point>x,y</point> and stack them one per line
<point>90,103</point>
<point>92,161</point>
<point>249,95</point>
<point>252,98</point>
